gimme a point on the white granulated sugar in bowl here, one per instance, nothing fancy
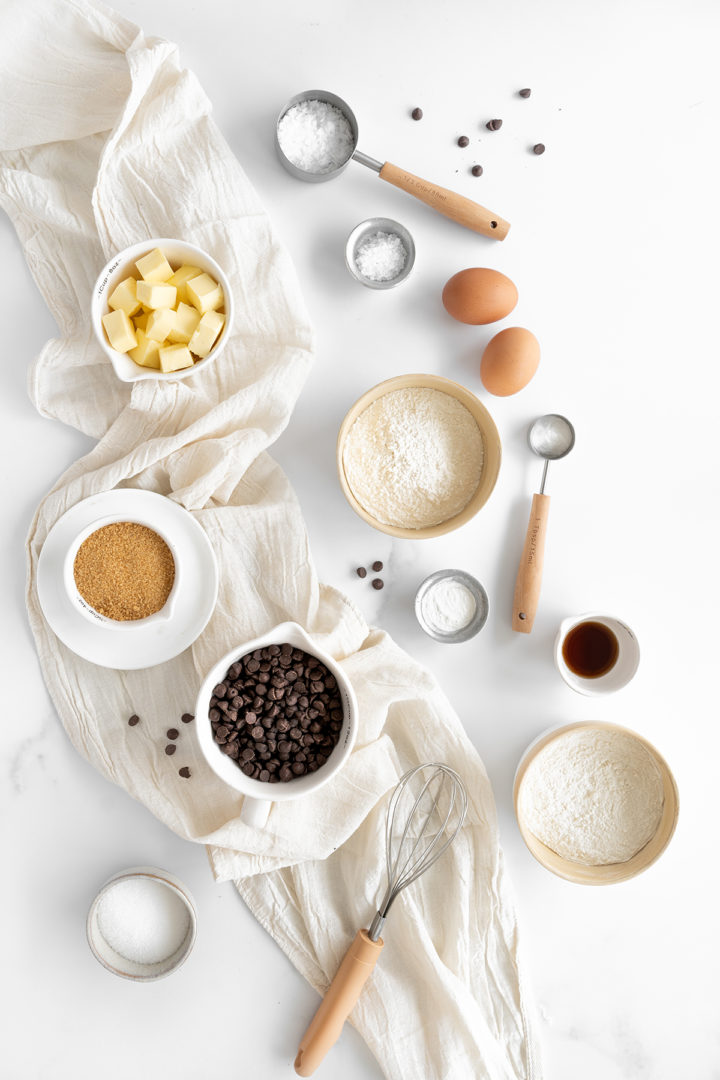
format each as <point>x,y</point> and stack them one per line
<point>594,796</point>
<point>315,136</point>
<point>414,458</point>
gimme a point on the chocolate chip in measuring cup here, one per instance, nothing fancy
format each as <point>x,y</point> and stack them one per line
<point>286,717</point>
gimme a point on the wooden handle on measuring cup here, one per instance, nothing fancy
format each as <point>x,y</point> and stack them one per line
<point>464,211</point>
<point>338,1003</point>
<point>529,577</point>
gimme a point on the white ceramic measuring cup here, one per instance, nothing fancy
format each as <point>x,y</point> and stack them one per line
<point>78,600</point>
<point>622,670</point>
<point>260,796</point>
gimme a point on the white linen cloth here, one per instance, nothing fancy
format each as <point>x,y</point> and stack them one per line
<point>92,108</point>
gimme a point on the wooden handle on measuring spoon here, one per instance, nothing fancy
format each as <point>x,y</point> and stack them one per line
<point>464,211</point>
<point>338,1003</point>
<point>529,576</point>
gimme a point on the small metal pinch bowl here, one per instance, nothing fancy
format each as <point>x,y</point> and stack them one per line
<point>363,232</point>
<point>424,614</point>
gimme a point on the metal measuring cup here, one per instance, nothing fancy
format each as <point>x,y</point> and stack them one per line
<point>550,437</point>
<point>464,211</point>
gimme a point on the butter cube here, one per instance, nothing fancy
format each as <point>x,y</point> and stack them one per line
<point>180,279</point>
<point>146,354</point>
<point>185,324</point>
<point>156,296</point>
<point>154,267</point>
<point>140,321</point>
<point>120,331</point>
<point>205,293</point>
<point>124,297</point>
<point>175,357</point>
<point>160,323</point>
<point>207,333</point>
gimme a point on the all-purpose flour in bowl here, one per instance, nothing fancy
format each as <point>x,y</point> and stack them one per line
<point>593,795</point>
<point>414,457</point>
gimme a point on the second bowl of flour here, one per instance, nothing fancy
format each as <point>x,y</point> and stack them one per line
<point>418,456</point>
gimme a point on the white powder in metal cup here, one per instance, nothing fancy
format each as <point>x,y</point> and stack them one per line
<point>143,920</point>
<point>315,136</point>
<point>593,795</point>
<point>449,606</point>
<point>381,256</point>
<point>414,458</point>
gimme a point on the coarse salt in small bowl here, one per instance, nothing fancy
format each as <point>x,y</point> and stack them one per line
<point>142,924</point>
<point>178,253</point>
<point>373,253</point>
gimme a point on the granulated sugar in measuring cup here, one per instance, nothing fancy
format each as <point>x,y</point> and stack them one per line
<point>316,135</point>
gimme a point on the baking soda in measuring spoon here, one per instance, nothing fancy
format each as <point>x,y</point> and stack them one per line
<point>315,136</point>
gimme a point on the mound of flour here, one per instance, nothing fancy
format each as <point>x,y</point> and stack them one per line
<point>414,458</point>
<point>594,795</point>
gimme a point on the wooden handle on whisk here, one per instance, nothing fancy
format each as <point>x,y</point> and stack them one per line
<point>338,1003</point>
<point>466,212</point>
<point>529,576</point>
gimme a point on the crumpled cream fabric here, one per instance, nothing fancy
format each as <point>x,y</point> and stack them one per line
<point>95,109</point>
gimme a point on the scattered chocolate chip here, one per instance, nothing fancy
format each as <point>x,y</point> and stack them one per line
<point>417,114</point>
<point>361,571</point>
<point>377,583</point>
<point>134,720</point>
<point>185,772</point>
<point>463,141</point>
<point>494,125</point>
<point>539,148</point>
<point>173,733</point>
<point>524,93</point>
<point>170,749</point>
<point>477,170</point>
<point>377,566</point>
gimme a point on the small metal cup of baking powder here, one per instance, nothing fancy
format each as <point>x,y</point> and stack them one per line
<point>423,612</point>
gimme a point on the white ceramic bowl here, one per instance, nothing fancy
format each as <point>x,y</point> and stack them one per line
<point>178,253</point>
<point>620,673</point>
<point>80,603</point>
<point>258,795</point>
<point>121,965</point>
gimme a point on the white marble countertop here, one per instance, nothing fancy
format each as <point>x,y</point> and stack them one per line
<point>614,251</point>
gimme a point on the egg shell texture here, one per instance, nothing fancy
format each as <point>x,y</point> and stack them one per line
<point>509,361</point>
<point>479,296</point>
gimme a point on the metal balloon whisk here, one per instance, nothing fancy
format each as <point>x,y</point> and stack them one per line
<point>420,826</point>
<point>411,843</point>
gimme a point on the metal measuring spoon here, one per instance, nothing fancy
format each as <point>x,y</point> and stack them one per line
<point>464,211</point>
<point>550,437</point>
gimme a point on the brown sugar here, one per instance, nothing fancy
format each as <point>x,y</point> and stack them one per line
<point>125,571</point>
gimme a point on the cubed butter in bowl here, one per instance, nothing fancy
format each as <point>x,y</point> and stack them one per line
<point>161,309</point>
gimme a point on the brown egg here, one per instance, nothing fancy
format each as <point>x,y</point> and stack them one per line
<point>509,362</point>
<point>479,296</point>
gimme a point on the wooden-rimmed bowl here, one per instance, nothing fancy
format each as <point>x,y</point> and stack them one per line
<point>613,872</point>
<point>491,444</point>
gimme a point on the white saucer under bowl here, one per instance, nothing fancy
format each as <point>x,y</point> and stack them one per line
<point>150,644</point>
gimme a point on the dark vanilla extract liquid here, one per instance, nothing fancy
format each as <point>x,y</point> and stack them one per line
<point>590,650</point>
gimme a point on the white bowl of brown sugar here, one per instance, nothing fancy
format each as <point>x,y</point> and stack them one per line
<point>122,573</point>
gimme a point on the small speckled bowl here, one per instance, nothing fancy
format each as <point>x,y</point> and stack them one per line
<point>130,969</point>
<point>610,873</point>
<point>361,233</point>
<point>465,632</point>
